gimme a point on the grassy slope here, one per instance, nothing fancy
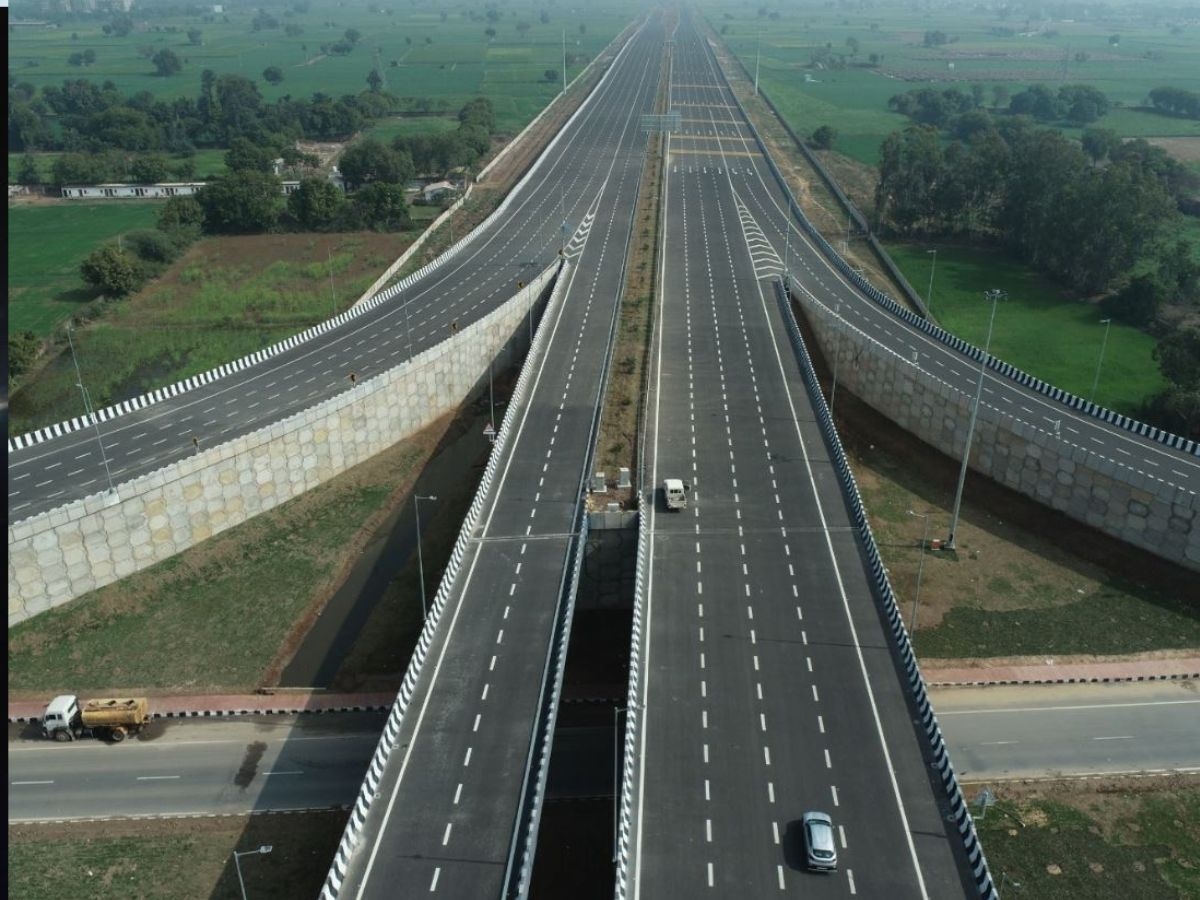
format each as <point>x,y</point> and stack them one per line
<point>46,245</point>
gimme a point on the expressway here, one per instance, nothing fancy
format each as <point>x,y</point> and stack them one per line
<point>1038,731</point>
<point>769,686</point>
<point>451,816</point>
<point>714,119</point>
<point>180,767</point>
<point>522,239</point>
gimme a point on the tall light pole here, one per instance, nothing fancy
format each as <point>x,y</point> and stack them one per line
<point>1107,323</point>
<point>564,55</point>
<point>994,295</point>
<point>757,57</point>
<point>420,559</point>
<point>237,855</point>
<point>837,355</point>
<point>929,293</point>
<point>88,409</point>
<point>912,630</point>
<point>332,294</point>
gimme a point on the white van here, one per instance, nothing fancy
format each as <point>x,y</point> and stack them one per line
<point>675,493</point>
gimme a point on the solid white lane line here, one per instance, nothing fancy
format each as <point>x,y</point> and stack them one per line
<point>158,778</point>
<point>433,884</point>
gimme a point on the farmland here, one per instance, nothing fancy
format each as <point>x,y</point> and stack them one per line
<point>854,99</point>
<point>422,52</point>
<point>45,247</point>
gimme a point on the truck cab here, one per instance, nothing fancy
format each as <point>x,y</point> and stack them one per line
<point>62,719</point>
<point>675,493</point>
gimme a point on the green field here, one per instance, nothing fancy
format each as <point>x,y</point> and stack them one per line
<point>407,126</point>
<point>420,53</point>
<point>46,245</point>
<point>1035,330</point>
<point>853,99</point>
<point>226,298</point>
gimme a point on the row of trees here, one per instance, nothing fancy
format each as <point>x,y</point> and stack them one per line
<point>439,153</point>
<point>1076,104</point>
<point>1034,190</point>
<point>1176,102</point>
<point>81,116</point>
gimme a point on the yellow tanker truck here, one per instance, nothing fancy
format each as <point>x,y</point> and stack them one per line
<point>65,719</point>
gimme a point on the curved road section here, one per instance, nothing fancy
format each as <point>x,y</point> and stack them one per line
<point>522,239</point>
<point>770,687</point>
<point>451,815</point>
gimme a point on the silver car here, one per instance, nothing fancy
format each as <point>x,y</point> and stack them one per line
<point>818,841</point>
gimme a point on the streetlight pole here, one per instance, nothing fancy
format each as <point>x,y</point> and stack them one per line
<point>88,409</point>
<point>837,355</point>
<point>994,295</point>
<point>757,58</point>
<point>1107,323</point>
<point>420,559</point>
<point>237,855</point>
<point>929,293</point>
<point>332,293</point>
<point>912,631</point>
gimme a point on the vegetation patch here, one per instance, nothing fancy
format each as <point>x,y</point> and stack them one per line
<point>170,858</point>
<point>1095,839</point>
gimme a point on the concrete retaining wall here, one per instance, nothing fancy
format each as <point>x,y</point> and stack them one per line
<point>61,554</point>
<point>1025,455</point>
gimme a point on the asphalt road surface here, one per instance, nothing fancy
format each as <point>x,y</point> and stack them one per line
<point>180,767</point>
<point>1038,731</point>
<point>449,817</point>
<point>769,688</point>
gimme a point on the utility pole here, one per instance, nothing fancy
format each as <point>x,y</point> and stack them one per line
<point>929,293</point>
<point>757,57</point>
<point>564,57</point>
<point>89,409</point>
<point>994,296</point>
<point>1107,323</point>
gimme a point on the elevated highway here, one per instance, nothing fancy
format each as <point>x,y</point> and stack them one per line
<point>454,810</point>
<point>768,686</point>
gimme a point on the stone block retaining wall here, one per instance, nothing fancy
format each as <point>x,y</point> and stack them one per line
<point>61,554</point>
<point>1023,454</point>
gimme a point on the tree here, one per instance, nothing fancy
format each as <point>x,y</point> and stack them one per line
<point>23,350</point>
<point>1114,40</point>
<point>180,213</point>
<point>316,203</point>
<point>382,207</point>
<point>544,17</point>
<point>79,168</point>
<point>28,173</point>
<point>241,203</point>
<point>824,137</point>
<point>490,32</point>
<point>374,81</point>
<point>195,37</point>
<point>111,270</point>
<point>353,35</point>
<point>246,156</point>
<point>1178,357</point>
<point>852,45</point>
<point>89,57</point>
<point>75,59</point>
<point>550,75</point>
<point>272,74</point>
<point>1098,143</point>
<point>166,63</point>
<point>149,169</point>
<point>1137,303</point>
<point>371,160</point>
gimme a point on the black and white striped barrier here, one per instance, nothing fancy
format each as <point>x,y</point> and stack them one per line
<point>887,599</point>
<point>633,718</point>
<point>391,731</point>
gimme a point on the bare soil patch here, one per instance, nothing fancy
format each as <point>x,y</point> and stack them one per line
<point>1184,149</point>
